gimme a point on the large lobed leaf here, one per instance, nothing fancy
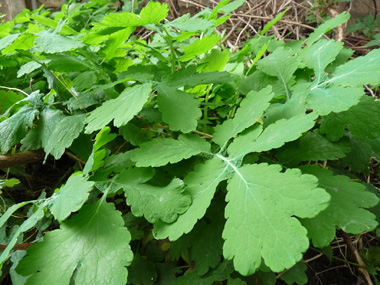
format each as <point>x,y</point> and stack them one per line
<point>92,248</point>
<point>263,204</point>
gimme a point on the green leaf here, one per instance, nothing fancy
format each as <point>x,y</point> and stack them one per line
<point>133,134</point>
<point>334,99</point>
<point>85,80</point>
<point>27,68</point>
<point>250,111</point>
<point>23,42</point>
<point>179,109</point>
<point>15,127</point>
<point>361,70</point>
<point>25,226</point>
<point>362,120</point>
<point>142,271</point>
<point>63,135</point>
<point>8,98</point>
<point>230,7</point>
<point>312,146</point>
<point>360,156</point>
<point>216,60</point>
<point>48,22</point>
<point>153,13</point>
<point>82,249</point>
<point>273,136</point>
<point>346,210</point>
<point>71,196</point>
<point>6,41</point>
<point>159,152</point>
<point>296,274</point>
<point>327,26</point>
<point>200,46</point>
<point>157,203</point>
<point>262,203</point>
<point>185,23</point>
<point>201,185</point>
<point>121,110</point>
<point>282,64</point>
<point>49,42</point>
<point>66,63</point>
<point>95,161</point>
<point>319,55</point>
<point>41,135</point>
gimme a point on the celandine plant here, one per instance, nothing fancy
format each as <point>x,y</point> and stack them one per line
<point>188,153</point>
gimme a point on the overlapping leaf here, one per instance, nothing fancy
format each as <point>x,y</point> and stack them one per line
<point>200,185</point>
<point>71,196</point>
<point>159,152</point>
<point>346,210</point>
<point>251,109</point>
<point>261,222</point>
<point>121,110</point>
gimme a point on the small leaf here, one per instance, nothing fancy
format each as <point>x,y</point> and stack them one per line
<point>158,203</point>
<point>346,210</point>
<point>261,210</point>
<point>179,109</point>
<point>200,46</point>
<point>185,23</point>
<point>153,13</point>
<point>250,111</point>
<point>121,110</point>
<point>15,127</point>
<point>159,152</point>
<point>327,26</point>
<point>82,249</point>
<point>201,185</point>
<point>71,196</point>
<point>296,274</point>
<point>63,135</point>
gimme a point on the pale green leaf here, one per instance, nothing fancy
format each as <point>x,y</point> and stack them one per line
<point>121,110</point>
<point>23,42</point>
<point>63,135</point>
<point>185,23</point>
<point>200,46</point>
<point>263,204</point>
<point>15,127</point>
<point>6,41</point>
<point>273,136</point>
<point>25,226</point>
<point>179,109</point>
<point>159,152</point>
<point>361,70</point>
<point>48,22</point>
<point>327,26</point>
<point>334,99</point>
<point>313,146</point>
<point>281,63</point>
<point>158,203</point>
<point>201,185</point>
<point>92,248</point>
<point>49,42</point>
<point>216,60</point>
<point>251,110</point>
<point>153,13</point>
<point>346,210</point>
<point>27,68</point>
<point>230,7</point>
<point>319,55</point>
<point>71,196</point>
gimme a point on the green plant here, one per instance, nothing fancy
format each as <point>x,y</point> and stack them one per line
<point>238,165</point>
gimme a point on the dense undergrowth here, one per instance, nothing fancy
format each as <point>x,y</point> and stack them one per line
<point>179,161</point>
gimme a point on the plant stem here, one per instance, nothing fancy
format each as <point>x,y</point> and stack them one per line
<point>172,52</point>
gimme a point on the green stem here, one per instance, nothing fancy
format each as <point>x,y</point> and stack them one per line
<point>172,52</point>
